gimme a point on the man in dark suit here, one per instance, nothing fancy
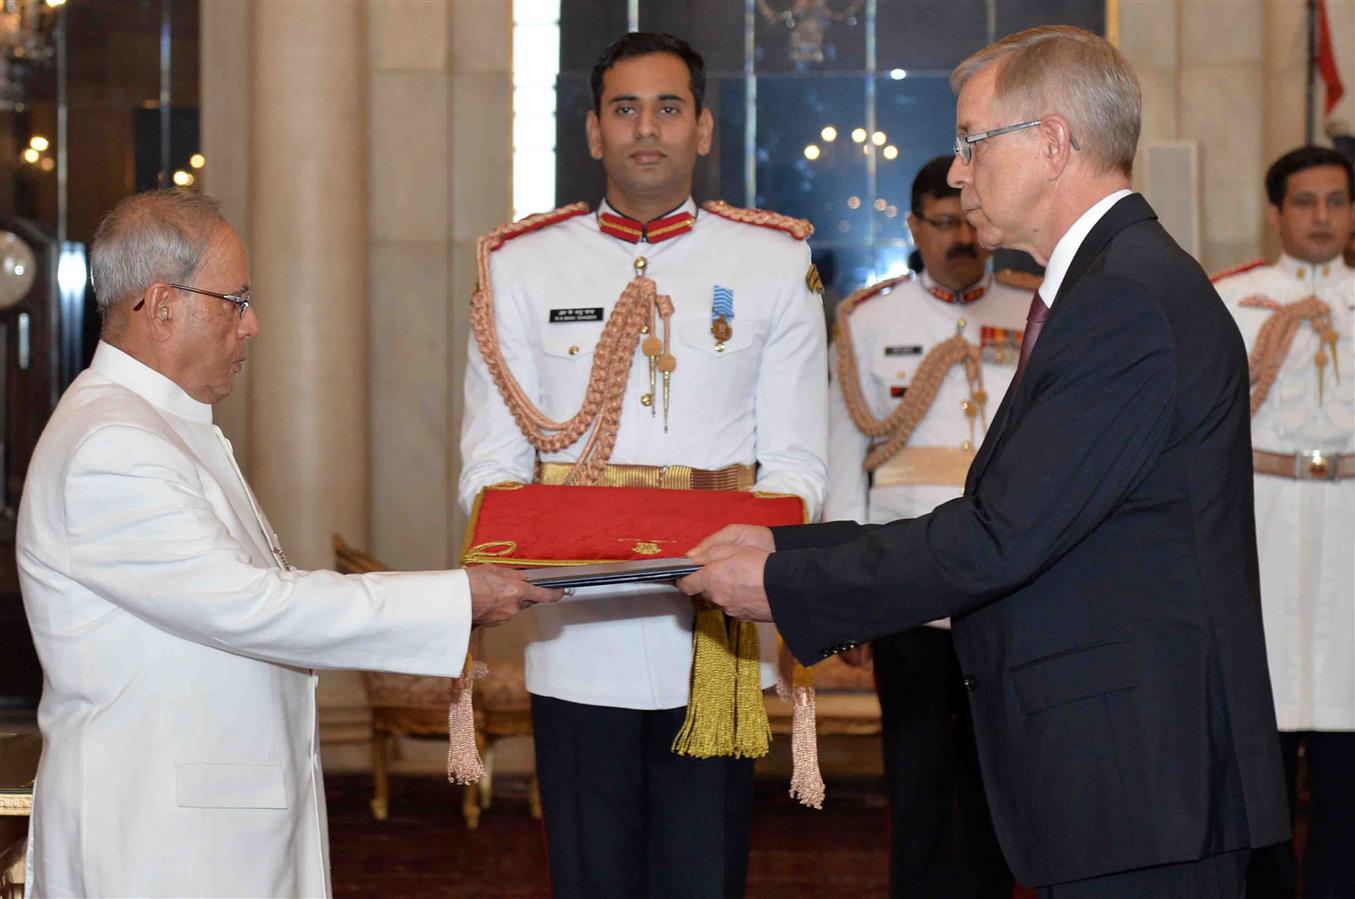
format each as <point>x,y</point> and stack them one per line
<point>1100,569</point>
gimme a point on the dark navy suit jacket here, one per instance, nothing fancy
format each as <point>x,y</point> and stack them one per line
<point>1101,574</point>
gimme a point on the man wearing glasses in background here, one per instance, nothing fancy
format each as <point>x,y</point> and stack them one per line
<point>180,751</point>
<point>890,328</point>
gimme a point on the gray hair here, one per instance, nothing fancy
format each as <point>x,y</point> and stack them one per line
<point>1058,69</point>
<point>159,235</point>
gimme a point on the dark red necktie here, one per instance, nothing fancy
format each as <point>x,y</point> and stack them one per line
<point>1034,322</point>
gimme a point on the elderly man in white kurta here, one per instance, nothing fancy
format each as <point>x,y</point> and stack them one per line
<point>177,644</point>
<point>1303,437</point>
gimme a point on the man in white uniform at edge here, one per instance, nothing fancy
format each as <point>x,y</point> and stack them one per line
<point>1305,506</point>
<point>178,705</point>
<point>609,677</point>
<point>941,834</point>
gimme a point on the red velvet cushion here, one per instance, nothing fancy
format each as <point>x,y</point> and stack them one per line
<point>557,525</point>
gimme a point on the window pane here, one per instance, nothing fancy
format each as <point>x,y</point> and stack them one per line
<point>911,35</point>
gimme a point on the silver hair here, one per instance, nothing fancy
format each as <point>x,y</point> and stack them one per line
<point>1059,69</point>
<point>159,235</point>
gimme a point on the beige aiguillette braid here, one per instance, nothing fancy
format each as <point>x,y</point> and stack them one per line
<point>900,423</point>
<point>1275,336</point>
<point>612,359</point>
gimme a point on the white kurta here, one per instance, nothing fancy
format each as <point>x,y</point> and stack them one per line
<point>891,333</point>
<point>761,399</point>
<point>178,705</point>
<point>1305,530</point>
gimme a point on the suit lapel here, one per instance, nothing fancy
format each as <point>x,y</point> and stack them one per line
<point>1128,211</point>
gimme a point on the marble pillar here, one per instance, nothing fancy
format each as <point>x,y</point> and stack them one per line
<point>308,393</point>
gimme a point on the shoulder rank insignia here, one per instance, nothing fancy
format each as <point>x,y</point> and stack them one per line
<point>813,281</point>
<point>800,229</point>
<point>1018,279</point>
<point>504,233</point>
<point>1236,270</point>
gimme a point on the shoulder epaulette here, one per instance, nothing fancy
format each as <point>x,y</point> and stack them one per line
<point>800,229</point>
<point>1236,270</point>
<point>504,233</point>
<point>1012,277</point>
<point>870,291</point>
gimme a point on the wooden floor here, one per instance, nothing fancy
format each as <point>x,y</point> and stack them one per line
<point>424,849</point>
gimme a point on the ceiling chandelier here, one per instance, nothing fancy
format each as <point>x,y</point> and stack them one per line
<point>26,30</point>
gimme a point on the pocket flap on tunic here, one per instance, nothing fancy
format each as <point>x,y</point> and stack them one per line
<point>1075,674</point>
<point>229,786</point>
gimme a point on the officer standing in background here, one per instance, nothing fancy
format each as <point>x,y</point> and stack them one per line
<point>1295,317</point>
<point>733,396</point>
<point>915,335</point>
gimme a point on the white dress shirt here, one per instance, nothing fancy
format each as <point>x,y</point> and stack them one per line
<point>1071,241</point>
<point>178,705</point>
<point>762,398</point>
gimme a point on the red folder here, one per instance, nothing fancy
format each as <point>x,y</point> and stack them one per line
<point>537,524</point>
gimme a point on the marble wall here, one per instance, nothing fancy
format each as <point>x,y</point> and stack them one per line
<point>1229,75</point>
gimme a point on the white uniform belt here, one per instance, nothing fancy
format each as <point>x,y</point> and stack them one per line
<point>914,466</point>
<point>1304,465</point>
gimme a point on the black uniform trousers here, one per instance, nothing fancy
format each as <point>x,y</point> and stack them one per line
<point>626,817</point>
<point>942,842</point>
<point>1329,851</point>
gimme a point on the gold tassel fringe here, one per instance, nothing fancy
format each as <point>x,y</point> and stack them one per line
<point>725,714</point>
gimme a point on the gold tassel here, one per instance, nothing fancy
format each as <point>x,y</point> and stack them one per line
<point>725,714</point>
<point>752,730</point>
<point>463,756</point>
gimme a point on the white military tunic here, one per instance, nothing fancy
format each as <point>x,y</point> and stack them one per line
<point>762,399</point>
<point>1305,530</point>
<point>891,333</point>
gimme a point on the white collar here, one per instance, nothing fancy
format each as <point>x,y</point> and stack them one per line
<point>1314,274</point>
<point>1071,241</point>
<point>149,384</point>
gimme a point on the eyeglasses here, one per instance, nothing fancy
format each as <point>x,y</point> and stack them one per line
<point>241,301</point>
<point>945,224</point>
<point>964,142</point>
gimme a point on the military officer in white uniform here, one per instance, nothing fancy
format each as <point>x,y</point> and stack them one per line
<point>178,705</point>
<point>609,676</point>
<point>927,742</point>
<point>1303,439</point>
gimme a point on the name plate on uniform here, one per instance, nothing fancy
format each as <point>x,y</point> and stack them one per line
<point>580,314</point>
<point>909,350</point>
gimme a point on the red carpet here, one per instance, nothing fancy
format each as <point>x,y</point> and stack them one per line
<point>424,849</point>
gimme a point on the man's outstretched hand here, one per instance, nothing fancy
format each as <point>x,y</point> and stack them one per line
<point>497,594</point>
<point>731,571</point>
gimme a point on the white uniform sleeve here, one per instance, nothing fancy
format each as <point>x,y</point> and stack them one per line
<point>141,534</point>
<point>493,448</point>
<point>848,484</point>
<point>792,395</point>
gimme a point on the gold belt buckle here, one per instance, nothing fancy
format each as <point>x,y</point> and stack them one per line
<point>1315,465</point>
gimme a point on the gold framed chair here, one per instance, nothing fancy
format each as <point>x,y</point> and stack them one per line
<point>406,705</point>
